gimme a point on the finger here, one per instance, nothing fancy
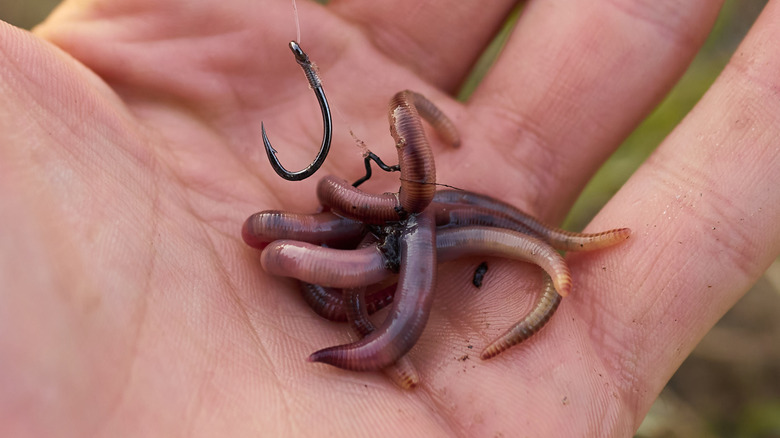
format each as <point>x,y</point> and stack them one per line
<point>438,40</point>
<point>706,213</point>
<point>575,79</point>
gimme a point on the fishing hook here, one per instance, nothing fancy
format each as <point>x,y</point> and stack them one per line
<point>314,82</point>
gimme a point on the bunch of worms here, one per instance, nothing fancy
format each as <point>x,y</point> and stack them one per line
<point>362,252</point>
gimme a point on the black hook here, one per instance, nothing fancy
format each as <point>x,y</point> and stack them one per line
<point>314,81</point>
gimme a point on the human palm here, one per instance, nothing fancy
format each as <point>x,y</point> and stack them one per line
<point>130,305</point>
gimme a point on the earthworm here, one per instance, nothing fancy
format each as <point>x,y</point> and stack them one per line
<point>329,302</point>
<point>415,160</point>
<point>341,197</point>
<point>442,124</point>
<point>323,228</point>
<point>560,239</point>
<point>418,171</point>
<point>484,241</point>
<point>324,266</point>
<point>532,323</point>
<point>457,215</point>
<point>402,372</point>
<point>411,305</point>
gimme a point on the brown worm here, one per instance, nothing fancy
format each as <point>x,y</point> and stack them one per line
<point>532,323</point>
<point>458,215</point>
<point>320,228</point>
<point>324,266</point>
<point>415,159</point>
<point>411,306</point>
<point>442,124</point>
<point>402,372</point>
<point>418,172</point>
<point>341,197</point>
<point>467,241</point>
<point>329,302</point>
<point>560,239</point>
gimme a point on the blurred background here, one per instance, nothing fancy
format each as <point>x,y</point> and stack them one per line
<point>730,384</point>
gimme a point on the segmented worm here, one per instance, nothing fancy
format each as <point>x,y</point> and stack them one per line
<point>560,239</point>
<point>532,323</point>
<point>341,197</point>
<point>450,244</point>
<point>320,228</point>
<point>484,241</point>
<point>324,266</point>
<point>329,302</point>
<point>442,124</point>
<point>411,306</point>
<point>402,372</point>
<point>415,159</point>
<point>354,306</point>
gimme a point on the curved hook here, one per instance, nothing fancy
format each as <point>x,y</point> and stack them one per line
<point>314,81</point>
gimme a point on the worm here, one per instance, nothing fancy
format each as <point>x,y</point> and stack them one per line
<point>545,307</point>
<point>415,159</point>
<point>411,306</point>
<point>560,239</point>
<point>320,228</point>
<point>329,302</point>
<point>324,266</point>
<point>340,196</point>
<point>485,241</point>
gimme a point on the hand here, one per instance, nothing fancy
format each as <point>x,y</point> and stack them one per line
<point>131,155</point>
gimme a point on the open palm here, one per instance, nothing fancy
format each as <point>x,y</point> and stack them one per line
<point>130,156</point>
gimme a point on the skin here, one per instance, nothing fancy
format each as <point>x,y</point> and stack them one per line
<point>145,313</point>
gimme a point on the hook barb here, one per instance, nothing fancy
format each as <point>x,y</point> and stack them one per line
<point>327,131</point>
